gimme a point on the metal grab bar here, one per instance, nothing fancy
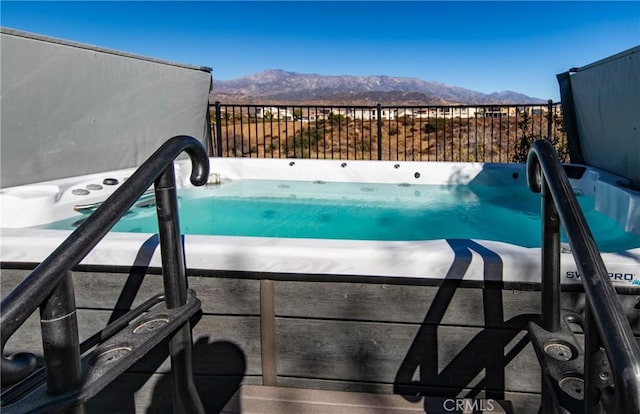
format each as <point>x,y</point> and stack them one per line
<point>612,329</point>
<point>38,286</point>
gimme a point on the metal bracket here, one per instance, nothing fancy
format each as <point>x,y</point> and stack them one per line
<point>112,357</point>
<point>561,358</point>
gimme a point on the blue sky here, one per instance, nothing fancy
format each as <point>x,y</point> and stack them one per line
<point>484,46</point>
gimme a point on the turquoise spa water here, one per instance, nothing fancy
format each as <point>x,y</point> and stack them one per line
<point>330,210</point>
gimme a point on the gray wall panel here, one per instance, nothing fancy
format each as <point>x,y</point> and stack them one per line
<point>606,95</point>
<point>70,109</point>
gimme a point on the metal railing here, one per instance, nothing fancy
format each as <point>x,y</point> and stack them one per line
<point>72,378</point>
<point>466,133</point>
<point>606,375</point>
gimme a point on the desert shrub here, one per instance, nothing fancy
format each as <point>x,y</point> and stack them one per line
<point>225,118</point>
<point>336,119</point>
<point>360,145</point>
<point>523,143</point>
<point>433,125</point>
<point>303,140</point>
<point>406,120</point>
<point>365,144</point>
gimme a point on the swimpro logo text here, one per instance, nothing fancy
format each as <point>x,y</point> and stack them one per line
<point>616,277</point>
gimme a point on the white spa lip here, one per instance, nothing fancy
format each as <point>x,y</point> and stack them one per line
<point>432,259</point>
<point>42,203</point>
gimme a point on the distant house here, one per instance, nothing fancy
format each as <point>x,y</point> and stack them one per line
<point>458,111</point>
<point>371,114</point>
<point>467,112</point>
<point>385,113</point>
<point>320,114</point>
<point>533,111</point>
<point>366,114</point>
<point>274,112</point>
<point>405,113</point>
<point>493,111</point>
<point>438,112</point>
<point>388,114</point>
<point>422,113</point>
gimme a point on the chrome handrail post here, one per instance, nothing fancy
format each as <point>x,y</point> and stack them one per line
<point>186,399</point>
<point>550,261</point>
<point>60,341</point>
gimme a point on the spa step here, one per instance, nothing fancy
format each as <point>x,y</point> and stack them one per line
<point>260,399</point>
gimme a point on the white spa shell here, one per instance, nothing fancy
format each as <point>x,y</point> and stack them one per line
<point>37,204</point>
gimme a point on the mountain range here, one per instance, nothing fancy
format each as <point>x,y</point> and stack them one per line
<point>279,86</point>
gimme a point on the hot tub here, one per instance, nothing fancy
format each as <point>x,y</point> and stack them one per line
<point>28,211</point>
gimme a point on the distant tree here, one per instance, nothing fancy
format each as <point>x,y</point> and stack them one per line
<point>559,140</point>
<point>297,114</point>
<point>526,138</point>
<point>302,141</point>
<point>224,117</point>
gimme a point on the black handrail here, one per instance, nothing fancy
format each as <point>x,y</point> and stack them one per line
<point>545,174</point>
<point>38,286</point>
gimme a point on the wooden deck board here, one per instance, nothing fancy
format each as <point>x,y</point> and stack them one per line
<point>375,339</point>
<point>252,399</point>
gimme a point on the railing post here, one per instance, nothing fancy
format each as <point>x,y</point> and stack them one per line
<point>218,130</point>
<point>379,121</point>
<point>550,120</point>
<point>592,368</point>
<point>60,341</point>
<point>186,399</point>
<point>550,289</point>
<point>550,261</point>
